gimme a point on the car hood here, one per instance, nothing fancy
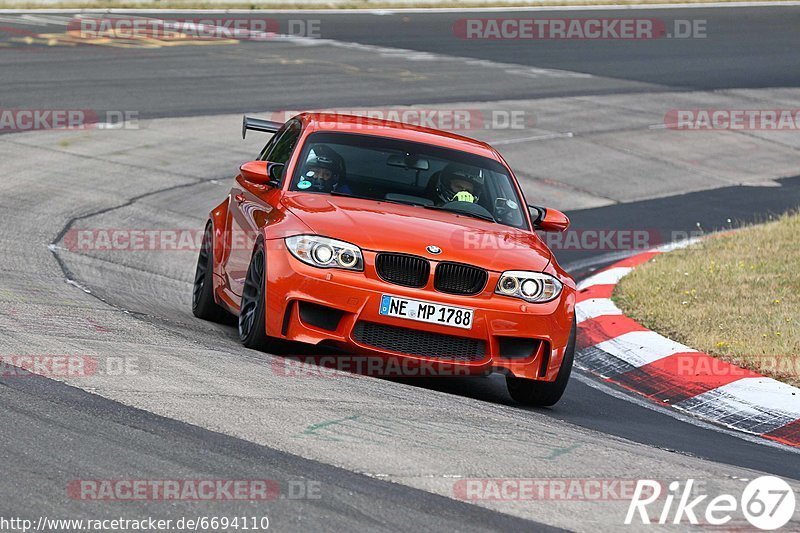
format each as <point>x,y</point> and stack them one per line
<point>385,226</point>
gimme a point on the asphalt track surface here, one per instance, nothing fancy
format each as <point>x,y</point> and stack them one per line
<point>66,426</point>
<point>744,47</point>
<point>69,433</point>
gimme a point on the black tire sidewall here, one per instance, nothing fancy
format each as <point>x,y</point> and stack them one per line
<point>205,306</point>
<point>542,393</point>
<point>257,337</point>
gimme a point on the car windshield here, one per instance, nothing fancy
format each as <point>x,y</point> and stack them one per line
<point>385,169</point>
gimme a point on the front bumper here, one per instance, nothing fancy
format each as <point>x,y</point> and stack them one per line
<point>340,308</point>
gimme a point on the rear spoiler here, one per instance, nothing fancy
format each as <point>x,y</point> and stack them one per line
<point>257,124</point>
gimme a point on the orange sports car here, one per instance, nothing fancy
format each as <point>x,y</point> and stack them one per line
<point>387,240</point>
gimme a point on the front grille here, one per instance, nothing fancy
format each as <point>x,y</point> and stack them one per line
<point>406,270</point>
<point>419,343</point>
<point>456,278</point>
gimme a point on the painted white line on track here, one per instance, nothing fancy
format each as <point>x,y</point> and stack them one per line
<point>587,264</point>
<point>587,378</point>
<point>595,307</point>
<point>678,245</point>
<point>639,348</point>
<point>605,277</point>
<point>545,137</point>
<point>765,393</point>
<point>417,55</point>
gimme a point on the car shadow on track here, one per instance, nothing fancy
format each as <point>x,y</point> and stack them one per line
<point>321,359</point>
<point>298,358</point>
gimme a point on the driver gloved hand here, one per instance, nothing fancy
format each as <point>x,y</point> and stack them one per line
<point>464,196</point>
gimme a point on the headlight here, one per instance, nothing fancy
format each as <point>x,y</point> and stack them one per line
<point>534,287</point>
<point>325,253</point>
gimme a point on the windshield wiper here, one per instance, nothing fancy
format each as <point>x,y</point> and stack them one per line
<point>481,216</point>
<point>346,195</point>
<point>339,193</point>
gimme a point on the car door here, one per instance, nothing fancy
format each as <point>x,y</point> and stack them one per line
<point>252,205</point>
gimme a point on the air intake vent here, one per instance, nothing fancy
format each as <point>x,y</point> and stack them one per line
<point>419,343</point>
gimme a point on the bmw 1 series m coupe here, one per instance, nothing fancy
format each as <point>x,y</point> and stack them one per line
<point>387,240</point>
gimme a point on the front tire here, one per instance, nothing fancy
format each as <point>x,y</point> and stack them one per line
<point>252,311</point>
<point>543,393</point>
<point>203,304</point>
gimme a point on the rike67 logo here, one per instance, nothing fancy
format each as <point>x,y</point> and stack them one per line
<point>767,503</point>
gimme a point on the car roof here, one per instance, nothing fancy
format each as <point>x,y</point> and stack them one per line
<point>334,122</point>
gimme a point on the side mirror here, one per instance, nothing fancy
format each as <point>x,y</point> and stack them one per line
<point>548,219</point>
<point>262,172</point>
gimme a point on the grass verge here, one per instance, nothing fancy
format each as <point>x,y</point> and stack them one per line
<point>733,296</point>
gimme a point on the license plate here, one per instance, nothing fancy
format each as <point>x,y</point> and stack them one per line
<point>446,315</point>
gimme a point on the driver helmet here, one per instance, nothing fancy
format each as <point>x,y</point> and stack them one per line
<point>459,183</point>
<point>324,169</point>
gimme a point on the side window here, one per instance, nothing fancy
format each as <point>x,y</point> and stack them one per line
<point>262,156</point>
<point>283,148</point>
